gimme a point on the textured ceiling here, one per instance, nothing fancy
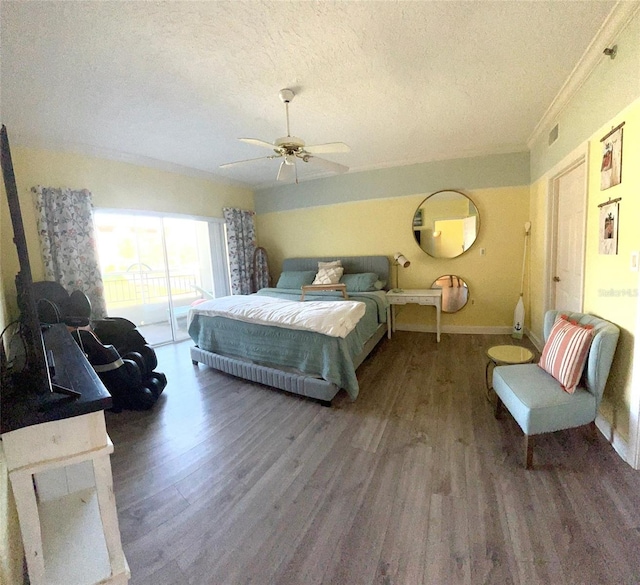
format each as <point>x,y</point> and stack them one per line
<point>179,82</point>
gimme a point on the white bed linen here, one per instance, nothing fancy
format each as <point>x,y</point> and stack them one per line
<point>333,318</point>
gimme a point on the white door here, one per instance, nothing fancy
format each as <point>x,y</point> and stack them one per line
<point>570,191</point>
<point>469,232</point>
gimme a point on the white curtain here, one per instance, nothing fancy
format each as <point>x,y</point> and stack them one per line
<point>68,243</point>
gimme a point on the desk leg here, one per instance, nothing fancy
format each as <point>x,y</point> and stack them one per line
<point>109,514</point>
<point>26,504</point>
<point>438,311</point>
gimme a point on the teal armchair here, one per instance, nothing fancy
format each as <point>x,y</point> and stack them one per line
<point>536,399</point>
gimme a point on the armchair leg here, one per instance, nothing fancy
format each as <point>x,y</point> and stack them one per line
<point>498,409</point>
<point>528,451</point>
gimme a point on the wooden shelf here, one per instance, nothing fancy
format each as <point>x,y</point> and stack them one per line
<point>74,547</point>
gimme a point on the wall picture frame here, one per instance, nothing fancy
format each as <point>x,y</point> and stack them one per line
<point>611,166</point>
<point>609,221</point>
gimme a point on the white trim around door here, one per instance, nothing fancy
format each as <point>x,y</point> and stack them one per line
<point>578,157</point>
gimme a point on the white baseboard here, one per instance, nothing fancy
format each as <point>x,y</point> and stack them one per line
<point>466,329</point>
<point>534,339</point>
<point>617,442</point>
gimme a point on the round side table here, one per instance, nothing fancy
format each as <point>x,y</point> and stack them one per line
<point>503,355</point>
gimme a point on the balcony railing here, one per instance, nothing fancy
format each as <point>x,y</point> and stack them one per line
<point>131,288</point>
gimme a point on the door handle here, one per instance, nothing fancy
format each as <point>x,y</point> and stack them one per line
<point>556,279</point>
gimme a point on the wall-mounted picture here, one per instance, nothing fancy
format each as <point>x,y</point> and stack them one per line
<point>611,167</point>
<point>609,229</point>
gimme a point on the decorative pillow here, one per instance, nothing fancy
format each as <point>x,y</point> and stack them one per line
<point>361,282</point>
<point>295,279</point>
<point>379,284</point>
<point>331,264</point>
<point>329,275</point>
<point>565,352</point>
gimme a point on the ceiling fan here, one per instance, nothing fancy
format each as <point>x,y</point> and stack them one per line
<point>289,148</point>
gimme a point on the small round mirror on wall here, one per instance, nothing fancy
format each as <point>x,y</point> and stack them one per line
<point>446,224</point>
<point>455,292</point>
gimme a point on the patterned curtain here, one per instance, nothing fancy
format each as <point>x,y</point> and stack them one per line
<point>241,241</point>
<point>261,276</point>
<point>68,244</point>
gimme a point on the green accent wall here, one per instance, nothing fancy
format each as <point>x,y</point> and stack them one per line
<point>482,172</point>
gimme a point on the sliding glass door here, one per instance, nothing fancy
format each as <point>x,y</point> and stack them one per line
<point>155,267</point>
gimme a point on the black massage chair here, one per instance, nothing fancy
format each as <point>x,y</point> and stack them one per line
<point>114,347</point>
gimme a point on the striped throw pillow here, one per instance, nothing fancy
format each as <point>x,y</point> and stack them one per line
<point>565,352</point>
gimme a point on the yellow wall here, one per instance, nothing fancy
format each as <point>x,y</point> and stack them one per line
<point>537,257</point>
<point>610,287</point>
<point>113,185</point>
<point>384,226</point>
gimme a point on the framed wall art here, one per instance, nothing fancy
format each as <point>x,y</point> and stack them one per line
<point>609,219</point>
<point>611,167</point>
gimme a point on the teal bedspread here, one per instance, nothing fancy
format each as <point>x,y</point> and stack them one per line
<point>314,354</point>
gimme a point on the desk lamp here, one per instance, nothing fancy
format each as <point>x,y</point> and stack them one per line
<point>399,260</point>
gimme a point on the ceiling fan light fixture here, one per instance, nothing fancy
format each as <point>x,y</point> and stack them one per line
<point>289,147</point>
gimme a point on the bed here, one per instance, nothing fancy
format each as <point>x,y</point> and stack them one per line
<point>302,362</point>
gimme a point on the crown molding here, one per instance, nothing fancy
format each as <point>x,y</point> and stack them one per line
<point>619,17</point>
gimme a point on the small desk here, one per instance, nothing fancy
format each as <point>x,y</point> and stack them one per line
<point>427,296</point>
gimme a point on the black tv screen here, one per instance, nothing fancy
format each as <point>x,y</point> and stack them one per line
<point>35,374</point>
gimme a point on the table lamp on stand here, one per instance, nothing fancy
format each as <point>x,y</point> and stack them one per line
<point>399,260</point>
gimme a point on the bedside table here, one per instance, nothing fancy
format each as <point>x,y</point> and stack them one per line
<point>427,296</point>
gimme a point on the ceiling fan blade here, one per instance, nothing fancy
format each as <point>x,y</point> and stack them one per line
<point>239,162</point>
<point>327,148</point>
<point>258,142</point>
<point>327,164</point>
<point>287,172</point>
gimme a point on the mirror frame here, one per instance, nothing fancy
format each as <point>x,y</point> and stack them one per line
<point>417,213</point>
<point>443,304</point>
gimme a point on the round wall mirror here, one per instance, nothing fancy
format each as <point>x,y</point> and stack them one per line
<point>455,292</point>
<point>446,224</point>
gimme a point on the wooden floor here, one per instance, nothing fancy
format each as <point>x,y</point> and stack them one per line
<point>229,482</point>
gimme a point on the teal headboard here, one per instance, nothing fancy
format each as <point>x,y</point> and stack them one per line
<point>351,264</point>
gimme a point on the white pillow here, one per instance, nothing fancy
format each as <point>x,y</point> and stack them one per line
<point>329,275</point>
<point>331,264</point>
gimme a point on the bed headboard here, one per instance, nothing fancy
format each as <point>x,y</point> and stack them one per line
<point>352,264</point>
